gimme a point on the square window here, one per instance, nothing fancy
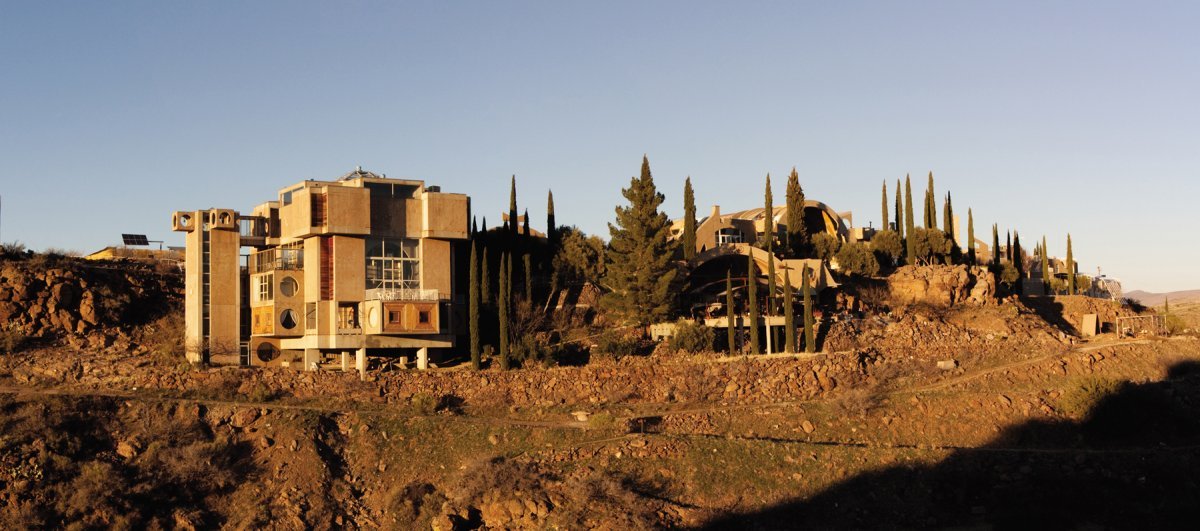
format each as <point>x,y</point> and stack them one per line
<point>423,317</point>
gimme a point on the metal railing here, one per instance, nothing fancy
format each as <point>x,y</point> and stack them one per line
<point>402,294</point>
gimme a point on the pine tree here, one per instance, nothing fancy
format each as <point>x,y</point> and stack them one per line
<point>789,318</point>
<point>1045,266</point>
<point>970,237</point>
<point>551,226</point>
<point>768,236</point>
<point>810,336</point>
<point>995,246</point>
<point>473,308</point>
<point>689,220</point>
<point>1070,267</point>
<point>528,278</point>
<point>884,225</point>
<point>729,315</point>
<point>502,304</point>
<point>752,296</point>
<point>930,206</point>
<point>797,234</point>
<point>512,211</point>
<point>899,211</point>
<point>640,272</point>
<point>909,222</point>
<point>485,288</point>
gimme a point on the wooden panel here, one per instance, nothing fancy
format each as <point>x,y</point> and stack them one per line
<point>262,320</point>
<point>326,268</point>
<point>410,318</point>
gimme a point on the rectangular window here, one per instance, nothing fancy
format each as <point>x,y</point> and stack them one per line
<point>326,268</point>
<point>310,316</point>
<point>393,264</point>
<point>347,316</point>
<point>264,287</point>
<point>393,317</point>
<point>423,317</point>
<point>320,214</point>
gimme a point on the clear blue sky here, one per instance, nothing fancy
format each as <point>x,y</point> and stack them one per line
<point>1046,117</point>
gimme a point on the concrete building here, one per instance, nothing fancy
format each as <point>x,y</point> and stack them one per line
<point>335,271</point>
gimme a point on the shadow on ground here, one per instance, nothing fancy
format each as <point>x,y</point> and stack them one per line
<point>1132,463</point>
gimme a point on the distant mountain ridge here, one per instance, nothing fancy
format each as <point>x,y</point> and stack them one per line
<point>1156,299</point>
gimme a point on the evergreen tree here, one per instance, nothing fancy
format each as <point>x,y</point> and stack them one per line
<point>884,226</point>
<point>1166,305</point>
<point>970,237</point>
<point>640,272</point>
<point>789,319</point>
<point>485,288</point>
<point>1070,267</point>
<point>473,308</point>
<point>1008,248</point>
<point>768,236</point>
<point>752,299</point>
<point>528,277</point>
<point>483,226</point>
<point>689,220</point>
<point>899,211</point>
<point>512,212</point>
<point>1045,266</point>
<point>909,223</point>
<point>1018,261</point>
<point>551,227</point>
<point>948,218</point>
<point>729,315</point>
<point>930,205</point>
<point>797,234</point>
<point>770,308</point>
<point>474,227</point>
<point>810,336</point>
<point>502,304</point>
<point>995,246</point>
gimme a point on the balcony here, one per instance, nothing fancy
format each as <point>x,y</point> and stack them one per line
<point>402,294</point>
<point>284,259</point>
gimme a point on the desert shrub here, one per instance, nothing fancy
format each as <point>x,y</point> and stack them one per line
<point>615,345</point>
<point>1008,275</point>
<point>165,338</point>
<point>423,404</point>
<point>261,393</point>
<point>690,336</point>
<point>530,349</point>
<point>12,250</point>
<point>414,503</point>
<point>859,401</point>
<point>12,338</point>
<point>887,246</point>
<point>857,259</point>
<point>601,420</point>
<point>1175,324</point>
<point>1085,393</point>
<point>825,245</point>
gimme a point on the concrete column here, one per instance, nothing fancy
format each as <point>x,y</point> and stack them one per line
<point>360,363</point>
<point>312,357</point>
<point>767,321</point>
<point>345,361</point>
<point>423,358</point>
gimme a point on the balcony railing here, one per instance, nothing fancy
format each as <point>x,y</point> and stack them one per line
<point>272,259</point>
<point>402,294</point>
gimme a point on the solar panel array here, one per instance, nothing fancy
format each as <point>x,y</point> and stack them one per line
<point>135,239</point>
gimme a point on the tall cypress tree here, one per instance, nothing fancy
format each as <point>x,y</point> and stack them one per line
<point>1045,266</point>
<point>899,211</point>
<point>639,270</point>
<point>512,212</point>
<point>729,314</point>
<point>551,225</point>
<point>995,245</point>
<point>1018,262</point>
<point>884,225</point>
<point>502,304</point>
<point>948,218</point>
<point>770,308</point>
<point>797,234</point>
<point>474,227</point>
<point>689,220</point>
<point>528,278</point>
<point>930,206</point>
<point>485,288</point>
<point>789,318</point>
<point>970,237</point>
<point>752,296</point>
<point>1070,267</point>
<point>810,336</point>
<point>909,222</point>
<point>768,237</point>
<point>525,224</point>
<point>1008,248</point>
<point>473,308</point>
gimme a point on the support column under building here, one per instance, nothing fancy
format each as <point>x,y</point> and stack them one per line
<point>423,358</point>
<point>345,361</point>
<point>360,363</point>
<point>312,359</point>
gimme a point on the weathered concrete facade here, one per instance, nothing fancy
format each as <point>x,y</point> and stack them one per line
<point>336,270</point>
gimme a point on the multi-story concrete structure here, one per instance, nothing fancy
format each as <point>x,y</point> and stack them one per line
<point>364,265</point>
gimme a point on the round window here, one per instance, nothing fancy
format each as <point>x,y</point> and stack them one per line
<point>373,317</point>
<point>287,319</point>
<point>287,286</point>
<point>267,352</point>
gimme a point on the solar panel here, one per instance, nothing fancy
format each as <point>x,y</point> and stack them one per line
<point>135,239</point>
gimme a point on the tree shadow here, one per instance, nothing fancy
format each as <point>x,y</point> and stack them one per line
<point>1049,310</point>
<point>1133,462</point>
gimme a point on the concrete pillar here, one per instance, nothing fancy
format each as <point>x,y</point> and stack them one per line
<point>767,321</point>
<point>345,361</point>
<point>360,363</point>
<point>423,358</point>
<point>312,357</point>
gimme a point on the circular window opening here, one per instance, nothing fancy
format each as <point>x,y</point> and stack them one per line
<point>288,286</point>
<point>373,317</point>
<point>224,218</point>
<point>287,319</point>
<point>185,220</point>
<point>267,352</point>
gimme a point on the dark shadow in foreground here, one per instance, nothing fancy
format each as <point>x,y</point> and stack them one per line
<point>1133,463</point>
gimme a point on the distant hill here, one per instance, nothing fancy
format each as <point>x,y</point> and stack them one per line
<point>1156,299</point>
